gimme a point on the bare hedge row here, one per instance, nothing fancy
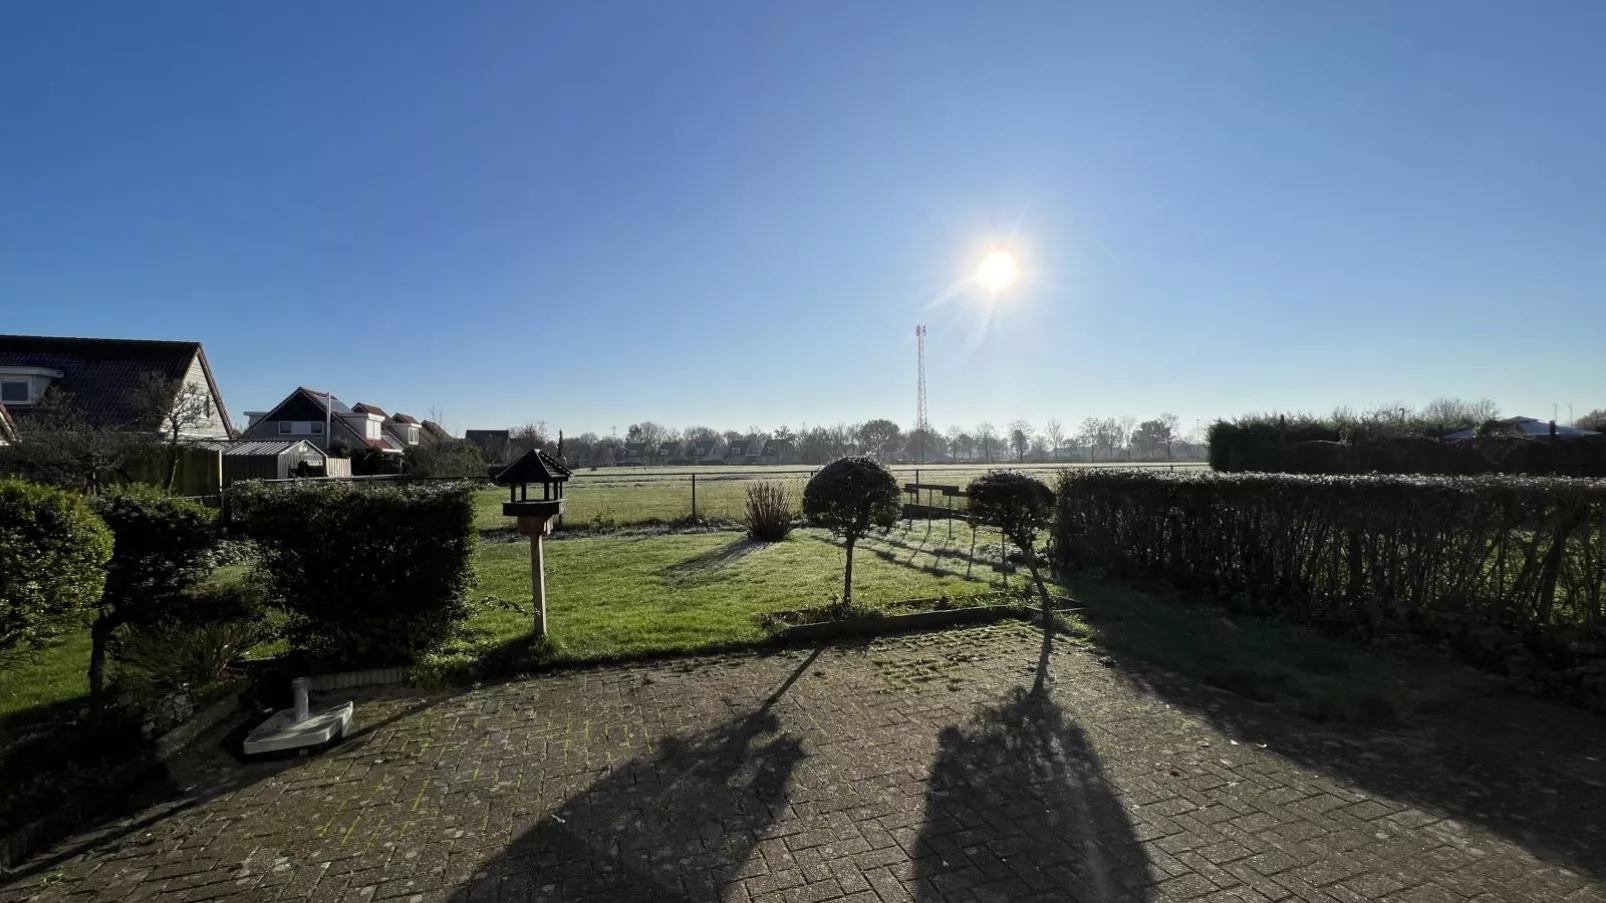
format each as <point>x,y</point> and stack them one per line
<point>1510,570</point>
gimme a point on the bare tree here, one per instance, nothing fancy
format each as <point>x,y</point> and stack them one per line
<point>175,409</point>
<point>1020,438</point>
<point>1452,414</point>
<point>648,433</point>
<point>59,445</point>
<point>1594,420</point>
<point>1055,434</point>
<point>1091,434</point>
<point>1123,434</point>
<point>986,437</point>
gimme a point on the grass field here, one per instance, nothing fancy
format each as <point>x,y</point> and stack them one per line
<point>619,496</point>
<point>625,595</point>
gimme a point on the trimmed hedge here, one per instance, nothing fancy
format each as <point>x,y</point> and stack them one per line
<point>372,575</point>
<point>1511,571</point>
<point>53,552</point>
<point>1306,445</point>
<point>156,558</point>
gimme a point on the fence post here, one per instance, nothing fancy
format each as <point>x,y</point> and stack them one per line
<point>693,496</point>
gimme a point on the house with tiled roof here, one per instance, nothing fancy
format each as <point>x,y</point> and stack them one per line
<point>671,453</point>
<point>494,445</point>
<point>745,451</point>
<point>99,377</point>
<point>323,419</point>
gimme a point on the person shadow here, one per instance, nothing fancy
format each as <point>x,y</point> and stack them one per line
<point>1018,805</point>
<point>676,824</point>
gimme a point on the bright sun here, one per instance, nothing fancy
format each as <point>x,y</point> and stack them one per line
<point>997,271</point>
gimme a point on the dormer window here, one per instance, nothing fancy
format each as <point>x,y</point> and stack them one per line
<point>14,391</point>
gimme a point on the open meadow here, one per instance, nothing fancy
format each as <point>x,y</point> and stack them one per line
<point>620,496</point>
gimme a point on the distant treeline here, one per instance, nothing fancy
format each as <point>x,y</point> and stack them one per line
<point>1399,440</point>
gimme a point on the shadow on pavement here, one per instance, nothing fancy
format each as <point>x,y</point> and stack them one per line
<point>1018,804</point>
<point>675,824</point>
<point>1527,769</point>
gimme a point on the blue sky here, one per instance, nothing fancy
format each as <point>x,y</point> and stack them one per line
<point>734,214</point>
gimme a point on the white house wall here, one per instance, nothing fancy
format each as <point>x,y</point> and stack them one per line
<point>214,428</point>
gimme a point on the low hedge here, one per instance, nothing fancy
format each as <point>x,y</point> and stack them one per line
<point>372,575</point>
<point>1511,571</point>
<point>53,553</point>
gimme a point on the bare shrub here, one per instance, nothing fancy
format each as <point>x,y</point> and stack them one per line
<point>769,512</point>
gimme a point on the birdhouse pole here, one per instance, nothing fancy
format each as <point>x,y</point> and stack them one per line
<point>535,517</point>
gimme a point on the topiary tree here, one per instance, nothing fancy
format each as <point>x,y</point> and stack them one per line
<point>849,497</point>
<point>53,552</point>
<point>155,561</point>
<point>1021,507</point>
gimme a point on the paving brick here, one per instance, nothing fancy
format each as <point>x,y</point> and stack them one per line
<point>913,767</point>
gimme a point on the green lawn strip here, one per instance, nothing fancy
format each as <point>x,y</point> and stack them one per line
<point>626,596</point>
<point>41,685</point>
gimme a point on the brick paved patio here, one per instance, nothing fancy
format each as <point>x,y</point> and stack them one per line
<point>907,768</point>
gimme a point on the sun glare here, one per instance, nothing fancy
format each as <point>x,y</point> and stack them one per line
<point>997,271</point>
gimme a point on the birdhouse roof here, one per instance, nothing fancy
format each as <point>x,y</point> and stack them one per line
<point>535,467</point>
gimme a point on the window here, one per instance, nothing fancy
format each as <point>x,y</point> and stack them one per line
<point>14,390</point>
<point>284,427</point>
<point>317,428</point>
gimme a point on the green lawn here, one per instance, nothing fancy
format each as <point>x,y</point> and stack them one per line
<point>611,596</point>
<point>35,687</point>
<point>634,495</point>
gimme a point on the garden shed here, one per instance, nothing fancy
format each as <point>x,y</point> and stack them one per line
<point>274,459</point>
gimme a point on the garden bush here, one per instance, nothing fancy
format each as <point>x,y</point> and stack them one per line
<point>156,558</point>
<point>1304,444</point>
<point>1509,571</point>
<point>769,511</point>
<point>371,576</point>
<point>193,644</point>
<point>851,496</point>
<point>53,551</point>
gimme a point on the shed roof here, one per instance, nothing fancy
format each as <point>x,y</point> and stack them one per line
<point>268,448</point>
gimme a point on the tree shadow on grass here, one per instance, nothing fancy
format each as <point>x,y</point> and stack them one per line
<point>709,567</point>
<point>675,824</point>
<point>973,569</point>
<point>1526,769</point>
<point>1018,804</point>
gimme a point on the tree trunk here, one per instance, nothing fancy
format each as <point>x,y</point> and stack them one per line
<point>847,579</point>
<point>1041,683</point>
<point>100,635</point>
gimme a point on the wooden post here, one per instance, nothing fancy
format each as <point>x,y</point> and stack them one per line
<point>693,496</point>
<point>538,583</point>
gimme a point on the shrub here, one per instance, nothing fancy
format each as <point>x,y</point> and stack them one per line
<point>1303,444</point>
<point>371,576</point>
<point>52,553</point>
<point>850,496</point>
<point>769,511</point>
<point>1021,507</point>
<point>454,458</point>
<point>1511,571</point>
<point>155,559</point>
<point>192,647</point>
